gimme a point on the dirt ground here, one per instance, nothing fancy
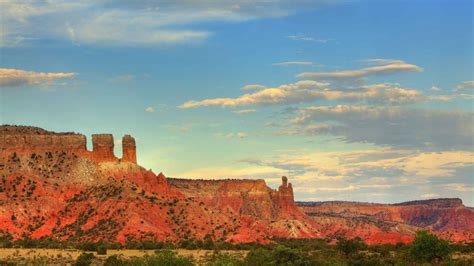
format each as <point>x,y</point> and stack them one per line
<point>65,256</point>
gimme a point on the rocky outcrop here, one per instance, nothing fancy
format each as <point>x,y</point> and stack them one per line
<point>129,149</point>
<point>103,148</point>
<point>284,199</point>
<point>34,140</point>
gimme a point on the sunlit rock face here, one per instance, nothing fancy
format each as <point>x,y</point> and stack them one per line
<point>52,186</point>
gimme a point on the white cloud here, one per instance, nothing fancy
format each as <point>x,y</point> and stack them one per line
<point>245,111</point>
<point>296,63</point>
<point>380,70</point>
<point>381,61</point>
<point>435,88</point>
<point>150,109</point>
<point>129,23</point>
<point>429,195</point>
<point>465,85</point>
<point>237,135</point>
<point>10,77</point>
<point>311,91</point>
<point>254,87</point>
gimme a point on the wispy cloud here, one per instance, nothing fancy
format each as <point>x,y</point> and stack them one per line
<point>123,78</point>
<point>150,109</point>
<point>128,23</point>
<point>10,77</point>
<point>245,111</point>
<point>180,128</point>
<point>236,135</point>
<point>382,61</point>
<point>305,38</point>
<point>465,85</point>
<point>296,63</point>
<point>253,87</point>
<point>380,70</point>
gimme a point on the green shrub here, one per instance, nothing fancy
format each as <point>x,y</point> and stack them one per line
<point>429,248</point>
<point>101,249</point>
<point>114,260</point>
<point>350,246</point>
<point>85,259</point>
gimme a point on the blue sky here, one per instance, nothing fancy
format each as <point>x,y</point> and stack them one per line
<point>353,100</point>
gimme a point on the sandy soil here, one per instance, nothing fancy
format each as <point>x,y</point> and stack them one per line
<point>65,256</point>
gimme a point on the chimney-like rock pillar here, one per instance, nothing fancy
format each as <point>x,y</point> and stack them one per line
<point>103,148</point>
<point>129,149</point>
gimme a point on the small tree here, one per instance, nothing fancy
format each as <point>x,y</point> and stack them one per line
<point>429,248</point>
<point>101,249</point>
<point>85,259</point>
<point>350,246</point>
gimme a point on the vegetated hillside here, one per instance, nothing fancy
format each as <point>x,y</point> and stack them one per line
<point>448,218</point>
<point>53,187</point>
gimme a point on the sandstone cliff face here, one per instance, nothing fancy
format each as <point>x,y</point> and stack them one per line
<point>264,212</point>
<point>11,140</point>
<point>382,223</point>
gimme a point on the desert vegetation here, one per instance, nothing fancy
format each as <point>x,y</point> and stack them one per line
<point>427,249</point>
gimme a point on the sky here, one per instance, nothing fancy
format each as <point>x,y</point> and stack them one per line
<point>352,100</point>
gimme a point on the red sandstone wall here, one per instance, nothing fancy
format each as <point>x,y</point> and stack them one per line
<point>103,148</point>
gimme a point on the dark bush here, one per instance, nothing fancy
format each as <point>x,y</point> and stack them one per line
<point>85,259</point>
<point>350,246</point>
<point>115,261</point>
<point>429,248</point>
<point>101,249</point>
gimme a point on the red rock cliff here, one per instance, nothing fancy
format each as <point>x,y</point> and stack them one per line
<point>31,139</point>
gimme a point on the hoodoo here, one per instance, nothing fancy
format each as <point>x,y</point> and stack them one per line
<point>129,149</point>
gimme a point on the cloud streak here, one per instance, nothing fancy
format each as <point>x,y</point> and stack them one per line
<point>129,23</point>
<point>466,85</point>
<point>10,77</point>
<point>382,70</point>
<point>296,63</point>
